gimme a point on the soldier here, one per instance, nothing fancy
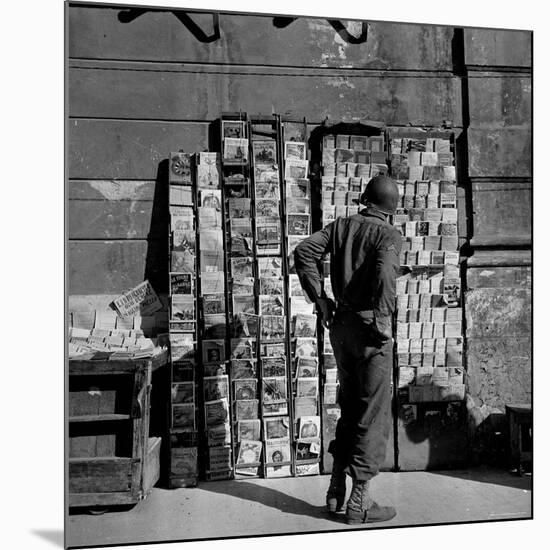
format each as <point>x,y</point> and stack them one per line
<point>364,259</point>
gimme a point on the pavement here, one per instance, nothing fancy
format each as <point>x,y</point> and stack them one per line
<point>225,509</point>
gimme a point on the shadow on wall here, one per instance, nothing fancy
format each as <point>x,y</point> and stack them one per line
<point>156,261</point>
<point>131,14</point>
<point>338,26</point>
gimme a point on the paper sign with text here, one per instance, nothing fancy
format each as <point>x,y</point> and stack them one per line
<point>141,299</point>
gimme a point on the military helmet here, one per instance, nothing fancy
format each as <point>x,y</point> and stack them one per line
<point>382,193</point>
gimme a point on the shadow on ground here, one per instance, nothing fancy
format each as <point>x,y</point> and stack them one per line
<point>490,475</point>
<point>55,536</point>
<point>272,498</point>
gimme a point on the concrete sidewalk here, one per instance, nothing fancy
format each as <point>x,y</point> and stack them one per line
<point>296,505</point>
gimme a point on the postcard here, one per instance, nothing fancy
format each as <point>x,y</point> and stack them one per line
<point>296,169</point>
<point>213,351</point>
<point>180,195</point>
<point>244,388</point>
<point>183,416</point>
<point>241,226</point>
<point>270,267</point>
<point>306,370</point>
<point>219,435</point>
<point>213,303</point>
<point>245,324</point>
<point>233,129</point>
<point>248,430</point>
<point>243,287</point>
<point>183,370</point>
<point>308,450</point>
<point>272,285</point>
<point>277,450</point>
<point>276,428</point>
<point>305,325</point>
<point>273,327</point>
<point>184,240</point>
<point>235,149</point>
<point>210,198</point>
<point>238,208</point>
<point>215,326</point>
<point>275,408</point>
<point>180,168</point>
<point>242,369</point>
<point>242,267</point>
<point>183,392</point>
<point>295,150</point>
<point>265,151</point>
<point>212,240</point>
<point>216,412</point>
<point>215,387</point>
<point>298,189</point>
<point>274,389</point>
<point>273,366</point>
<point>298,224</point>
<point>272,349</point>
<point>306,347</point>
<point>298,206</point>
<point>181,283</point>
<point>250,452</point>
<point>243,304</point>
<point>208,170</point>
<point>182,307</point>
<point>309,427</point>
<point>243,348</point>
<point>267,208</point>
<point>307,387</point>
<point>240,246</point>
<point>246,409</point>
<point>271,305</point>
<point>266,174</point>
<point>305,406</point>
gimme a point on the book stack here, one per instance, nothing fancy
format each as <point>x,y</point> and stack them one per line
<point>213,328</point>
<point>348,163</point>
<point>241,303</point>
<point>271,297</point>
<point>182,323</point>
<point>116,343</point>
<point>429,319</point>
<point>304,361</point>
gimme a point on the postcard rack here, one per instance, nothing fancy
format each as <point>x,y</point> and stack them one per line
<point>303,327</point>
<point>242,319</point>
<point>184,435</point>
<point>429,372</point>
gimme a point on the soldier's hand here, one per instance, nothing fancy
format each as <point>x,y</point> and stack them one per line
<point>326,307</point>
<point>381,333</point>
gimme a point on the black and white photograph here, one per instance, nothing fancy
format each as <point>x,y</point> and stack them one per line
<point>298,272</point>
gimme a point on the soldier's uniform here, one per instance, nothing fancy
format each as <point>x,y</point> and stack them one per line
<point>364,258</point>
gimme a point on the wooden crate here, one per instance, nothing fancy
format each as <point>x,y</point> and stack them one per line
<point>112,460</point>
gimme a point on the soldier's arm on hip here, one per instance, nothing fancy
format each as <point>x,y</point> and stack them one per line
<point>307,258</point>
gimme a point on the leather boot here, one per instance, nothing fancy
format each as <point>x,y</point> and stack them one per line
<point>336,494</point>
<point>362,509</point>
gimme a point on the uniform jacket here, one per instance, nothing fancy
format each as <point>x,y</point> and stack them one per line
<point>364,260</point>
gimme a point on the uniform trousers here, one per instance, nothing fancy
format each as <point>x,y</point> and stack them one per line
<point>364,371</point>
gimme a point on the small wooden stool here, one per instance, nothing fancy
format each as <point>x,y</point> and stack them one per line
<point>520,435</point>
